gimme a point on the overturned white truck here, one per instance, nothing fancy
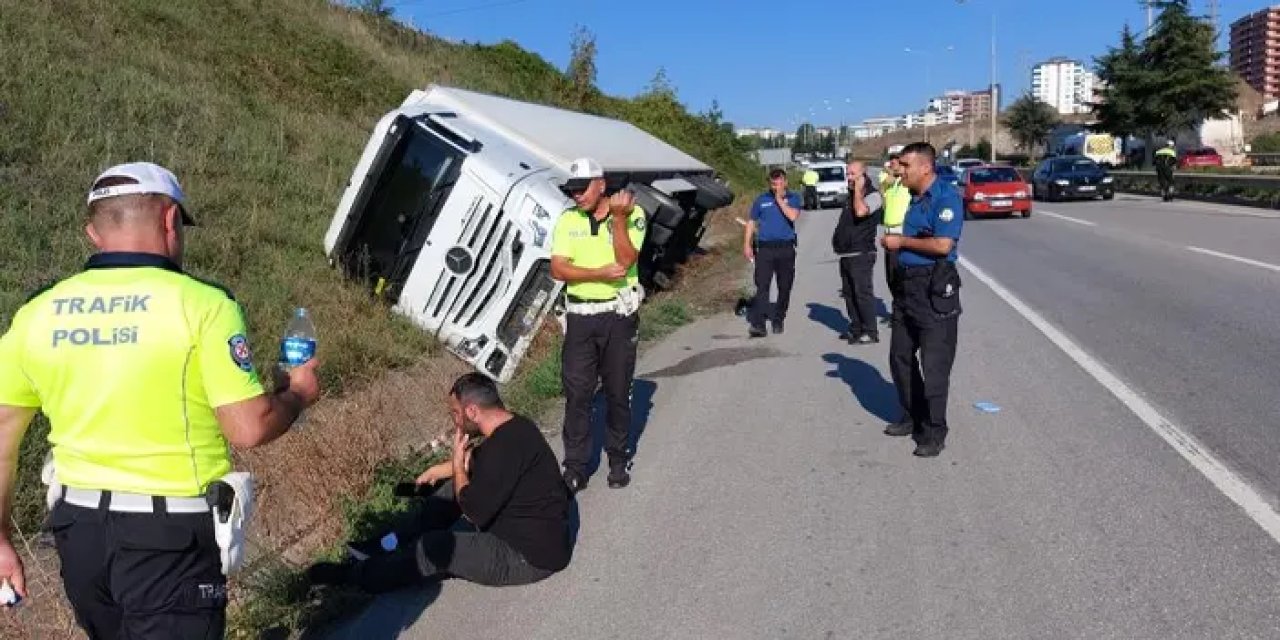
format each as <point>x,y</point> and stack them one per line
<point>449,212</point>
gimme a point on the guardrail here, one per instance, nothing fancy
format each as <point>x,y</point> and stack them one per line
<point>1243,190</point>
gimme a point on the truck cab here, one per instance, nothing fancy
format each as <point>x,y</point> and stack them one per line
<point>449,213</point>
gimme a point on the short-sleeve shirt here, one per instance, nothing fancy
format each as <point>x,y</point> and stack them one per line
<point>771,224</point>
<point>936,213</point>
<point>588,243</point>
<point>129,359</point>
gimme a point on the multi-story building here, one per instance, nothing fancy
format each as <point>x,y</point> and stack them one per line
<point>1255,50</point>
<point>1066,85</point>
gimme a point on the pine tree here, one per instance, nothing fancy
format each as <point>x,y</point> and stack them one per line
<point>582,66</point>
<point>1189,81</point>
<point>1124,87</point>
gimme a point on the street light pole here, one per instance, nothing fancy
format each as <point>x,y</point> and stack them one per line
<point>995,104</point>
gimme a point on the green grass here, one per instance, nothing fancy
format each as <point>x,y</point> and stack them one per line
<point>261,109</point>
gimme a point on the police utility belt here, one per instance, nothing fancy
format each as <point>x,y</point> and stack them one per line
<point>626,303</point>
<point>229,500</point>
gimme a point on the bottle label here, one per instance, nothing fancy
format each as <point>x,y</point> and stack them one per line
<point>296,350</point>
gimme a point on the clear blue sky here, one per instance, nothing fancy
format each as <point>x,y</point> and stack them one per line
<point>770,62</point>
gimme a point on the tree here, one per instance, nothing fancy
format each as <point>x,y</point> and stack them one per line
<point>582,65</point>
<point>1030,120</point>
<point>1125,87</point>
<point>1190,83</point>
<point>661,85</point>
<point>806,139</point>
<point>376,8</point>
<point>1167,84</point>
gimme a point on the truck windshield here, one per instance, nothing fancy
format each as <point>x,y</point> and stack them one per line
<point>397,209</point>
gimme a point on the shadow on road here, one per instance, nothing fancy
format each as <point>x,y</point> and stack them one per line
<point>877,395</point>
<point>829,317</point>
<point>641,406</point>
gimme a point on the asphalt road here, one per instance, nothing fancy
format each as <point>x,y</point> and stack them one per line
<point>766,503</point>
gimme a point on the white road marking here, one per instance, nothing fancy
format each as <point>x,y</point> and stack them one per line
<point>1067,218</point>
<point>1227,256</point>
<point>1203,460</point>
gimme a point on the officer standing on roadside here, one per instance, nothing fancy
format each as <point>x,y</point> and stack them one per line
<point>770,241</point>
<point>897,199</point>
<point>594,249</point>
<point>927,313</point>
<point>145,374</point>
<point>1166,160</point>
<point>810,182</point>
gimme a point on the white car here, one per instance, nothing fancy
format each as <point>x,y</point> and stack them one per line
<point>833,186</point>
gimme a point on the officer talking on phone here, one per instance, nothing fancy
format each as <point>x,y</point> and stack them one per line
<point>594,249</point>
<point>927,313</point>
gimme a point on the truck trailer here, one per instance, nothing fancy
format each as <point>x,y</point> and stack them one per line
<point>448,213</point>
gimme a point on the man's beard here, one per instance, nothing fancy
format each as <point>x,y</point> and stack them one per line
<point>470,428</point>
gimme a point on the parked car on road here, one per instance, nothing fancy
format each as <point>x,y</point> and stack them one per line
<point>964,163</point>
<point>994,191</point>
<point>1071,177</point>
<point>1205,157</point>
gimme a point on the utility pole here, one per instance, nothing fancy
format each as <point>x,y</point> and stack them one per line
<point>1213,19</point>
<point>1148,18</point>
<point>995,102</point>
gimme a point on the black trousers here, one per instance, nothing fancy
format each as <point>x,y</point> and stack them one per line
<point>1165,177</point>
<point>921,353</point>
<point>598,348</point>
<point>859,295</point>
<point>771,261</point>
<point>438,544</point>
<point>891,271</point>
<point>810,197</point>
<point>141,575</point>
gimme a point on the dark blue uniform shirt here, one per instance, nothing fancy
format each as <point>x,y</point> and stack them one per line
<point>771,224</point>
<point>936,213</point>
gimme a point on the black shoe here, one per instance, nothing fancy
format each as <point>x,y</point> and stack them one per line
<point>928,450</point>
<point>899,429</point>
<point>574,481</point>
<point>329,573</point>
<point>757,332</point>
<point>849,336</point>
<point>777,326</point>
<point>618,476</point>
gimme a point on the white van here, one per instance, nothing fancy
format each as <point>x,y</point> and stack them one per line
<point>833,186</point>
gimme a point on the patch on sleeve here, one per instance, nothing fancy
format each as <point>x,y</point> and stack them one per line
<point>639,223</point>
<point>240,352</point>
<point>947,215</point>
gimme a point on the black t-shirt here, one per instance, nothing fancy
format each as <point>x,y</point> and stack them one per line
<point>516,493</point>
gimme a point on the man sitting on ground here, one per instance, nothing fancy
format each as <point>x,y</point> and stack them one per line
<point>514,507</point>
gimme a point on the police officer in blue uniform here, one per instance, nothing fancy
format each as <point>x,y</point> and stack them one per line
<point>926,312</point>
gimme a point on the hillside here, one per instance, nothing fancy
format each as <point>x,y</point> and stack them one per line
<point>261,109</point>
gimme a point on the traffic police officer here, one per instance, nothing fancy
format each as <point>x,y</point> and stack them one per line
<point>897,199</point>
<point>145,375</point>
<point>927,312</point>
<point>594,250</point>
<point>1166,159</point>
<point>810,182</point>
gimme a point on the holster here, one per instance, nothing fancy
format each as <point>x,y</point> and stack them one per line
<point>629,299</point>
<point>944,289</point>
<point>230,500</point>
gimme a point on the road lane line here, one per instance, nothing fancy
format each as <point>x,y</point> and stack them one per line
<point>1203,460</point>
<point>1067,218</point>
<point>1227,256</point>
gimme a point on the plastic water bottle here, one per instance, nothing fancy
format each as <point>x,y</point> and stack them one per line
<point>299,342</point>
<point>298,346</point>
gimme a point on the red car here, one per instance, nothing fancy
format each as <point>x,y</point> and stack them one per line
<point>991,190</point>
<point>1206,157</point>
